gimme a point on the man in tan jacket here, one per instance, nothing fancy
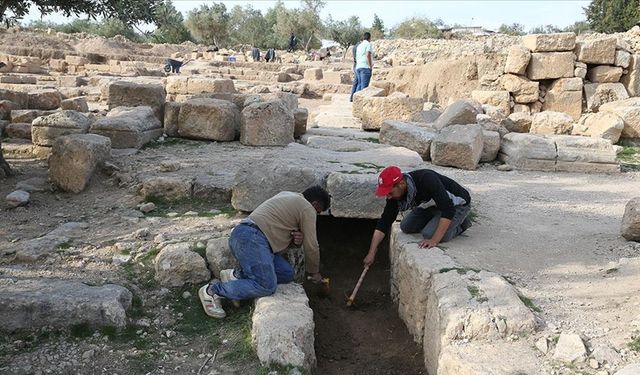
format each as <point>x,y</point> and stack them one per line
<point>256,243</point>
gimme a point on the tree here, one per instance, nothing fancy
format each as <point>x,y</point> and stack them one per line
<point>346,33</point>
<point>578,27</point>
<point>546,29</point>
<point>513,29</point>
<point>609,16</point>
<point>377,28</point>
<point>248,26</point>
<point>417,28</point>
<point>170,26</point>
<point>209,24</point>
<point>128,11</point>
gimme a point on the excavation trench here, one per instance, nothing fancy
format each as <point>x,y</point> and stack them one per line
<point>369,337</point>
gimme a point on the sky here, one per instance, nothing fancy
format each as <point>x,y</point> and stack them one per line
<point>489,14</point>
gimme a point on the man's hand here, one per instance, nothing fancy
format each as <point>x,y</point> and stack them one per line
<point>427,243</point>
<point>315,277</point>
<point>297,237</point>
<point>368,260</point>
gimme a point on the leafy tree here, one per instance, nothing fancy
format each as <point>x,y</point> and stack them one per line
<point>513,29</point>
<point>127,11</point>
<point>578,27</point>
<point>110,27</point>
<point>417,28</point>
<point>546,29</point>
<point>303,23</point>
<point>248,26</point>
<point>609,16</point>
<point>377,28</point>
<point>346,33</point>
<point>170,25</point>
<point>209,24</point>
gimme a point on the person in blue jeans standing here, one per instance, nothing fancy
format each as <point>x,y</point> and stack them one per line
<point>354,87</point>
<point>364,62</point>
<point>256,243</point>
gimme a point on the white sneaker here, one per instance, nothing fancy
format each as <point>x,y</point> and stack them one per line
<point>227,275</point>
<point>211,304</point>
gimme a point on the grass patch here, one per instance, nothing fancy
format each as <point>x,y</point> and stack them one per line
<point>629,158</point>
<point>473,216</point>
<point>170,142</point>
<point>372,140</point>
<point>461,271</point>
<point>378,168</point>
<point>473,290</point>
<point>635,344</point>
<point>527,302</point>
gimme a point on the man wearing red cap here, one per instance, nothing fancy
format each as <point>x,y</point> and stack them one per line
<point>407,191</point>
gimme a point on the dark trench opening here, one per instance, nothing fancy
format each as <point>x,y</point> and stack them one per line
<point>369,337</point>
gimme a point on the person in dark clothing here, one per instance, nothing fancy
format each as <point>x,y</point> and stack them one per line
<point>292,42</point>
<point>407,191</point>
<point>270,55</point>
<point>255,54</point>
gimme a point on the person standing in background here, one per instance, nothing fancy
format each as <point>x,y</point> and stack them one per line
<point>354,87</point>
<point>364,61</point>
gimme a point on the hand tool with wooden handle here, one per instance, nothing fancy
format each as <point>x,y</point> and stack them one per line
<point>355,290</point>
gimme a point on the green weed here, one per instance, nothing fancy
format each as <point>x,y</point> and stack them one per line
<point>527,302</point>
<point>629,158</point>
<point>635,344</point>
<point>372,140</point>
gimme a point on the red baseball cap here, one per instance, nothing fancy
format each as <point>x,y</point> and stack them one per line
<point>387,179</point>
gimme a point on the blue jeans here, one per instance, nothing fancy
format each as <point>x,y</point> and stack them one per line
<point>261,270</point>
<point>364,76</point>
<point>426,220</point>
<point>354,87</point>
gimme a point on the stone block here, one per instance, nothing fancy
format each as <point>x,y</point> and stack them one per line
<point>177,85</point>
<point>376,110</point>
<point>20,130</point>
<point>491,145</point>
<point>523,90</point>
<point>597,51</point>
<point>219,255</point>
<point>27,115</point>
<point>283,328</point>
<point>460,112</point>
<point>569,102</point>
<point>631,80</point>
<point>517,60</point>
<point>208,85</point>
<point>577,149</point>
<point>361,96</point>
<point>570,348</point>
<point>74,159</point>
<point>566,84</point>
<point>528,152</point>
<point>550,42</point>
<point>408,135</point>
<point>629,111</point>
<point>58,65</point>
<point>69,81</point>
<point>76,60</point>
<point>550,65</point>
<point>551,123</point>
<point>212,119</point>
<point>21,99</point>
<point>267,124</point>
<point>171,115</point>
<point>352,195</point>
<point>597,94</point>
<point>176,265</point>
<point>46,129</point>
<point>213,189</point>
<point>128,127</point>
<point>631,220</point>
<point>44,99</point>
<point>337,78</point>
<point>31,304</point>
<point>78,103</point>
<point>623,59</point>
<point>458,146</point>
<point>167,187</point>
<point>131,94</point>
<point>300,117</point>
<point>498,99</point>
<point>604,74</point>
<point>313,74</point>
<point>6,106</point>
<point>604,125</point>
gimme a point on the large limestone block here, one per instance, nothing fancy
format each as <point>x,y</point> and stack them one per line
<point>599,51</point>
<point>78,103</point>
<point>337,78</point>
<point>629,111</point>
<point>27,115</point>
<point>491,145</point>
<point>131,94</point>
<point>517,60</point>
<point>21,99</point>
<point>498,99</point>
<point>177,265</point>
<point>32,304</point>
<point>570,348</point>
<point>523,90</point>
<point>213,189</point>
<point>520,122</point>
<point>313,74</point>
<point>549,42</point>
<point>566,84</point>
<point>550,65</point>
<point>352,195</point>
<point>409,135</point>
<point>631,220</point>
<point>458,146</point>
<point>170,188</point>
<point>300,117</point>
<point>45,129</point>
<point>598,94</point>
<point>36,249</point>
<point>623,59</point>
<point>283,328</point>
<point>128,127</point>
<point>361,96</point>
<point>219,255</point>
<point>6,106</point>
<point>171,115</point>
<point>75,157</point>
<point>572,148</point>
<point>177,85</point>
<point>44,99</point>
<point>528,151</point>
<point>376,110</point>
<point>21,130</point>
<point>551,123</point>
<point>209,85</point>
<point>212,119</point>
<point>604,74</point>
<point>604,125</point>
<point>631,80</point>
<point>460,112</point>
<point>569,102</point>
<point>267,124</point>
